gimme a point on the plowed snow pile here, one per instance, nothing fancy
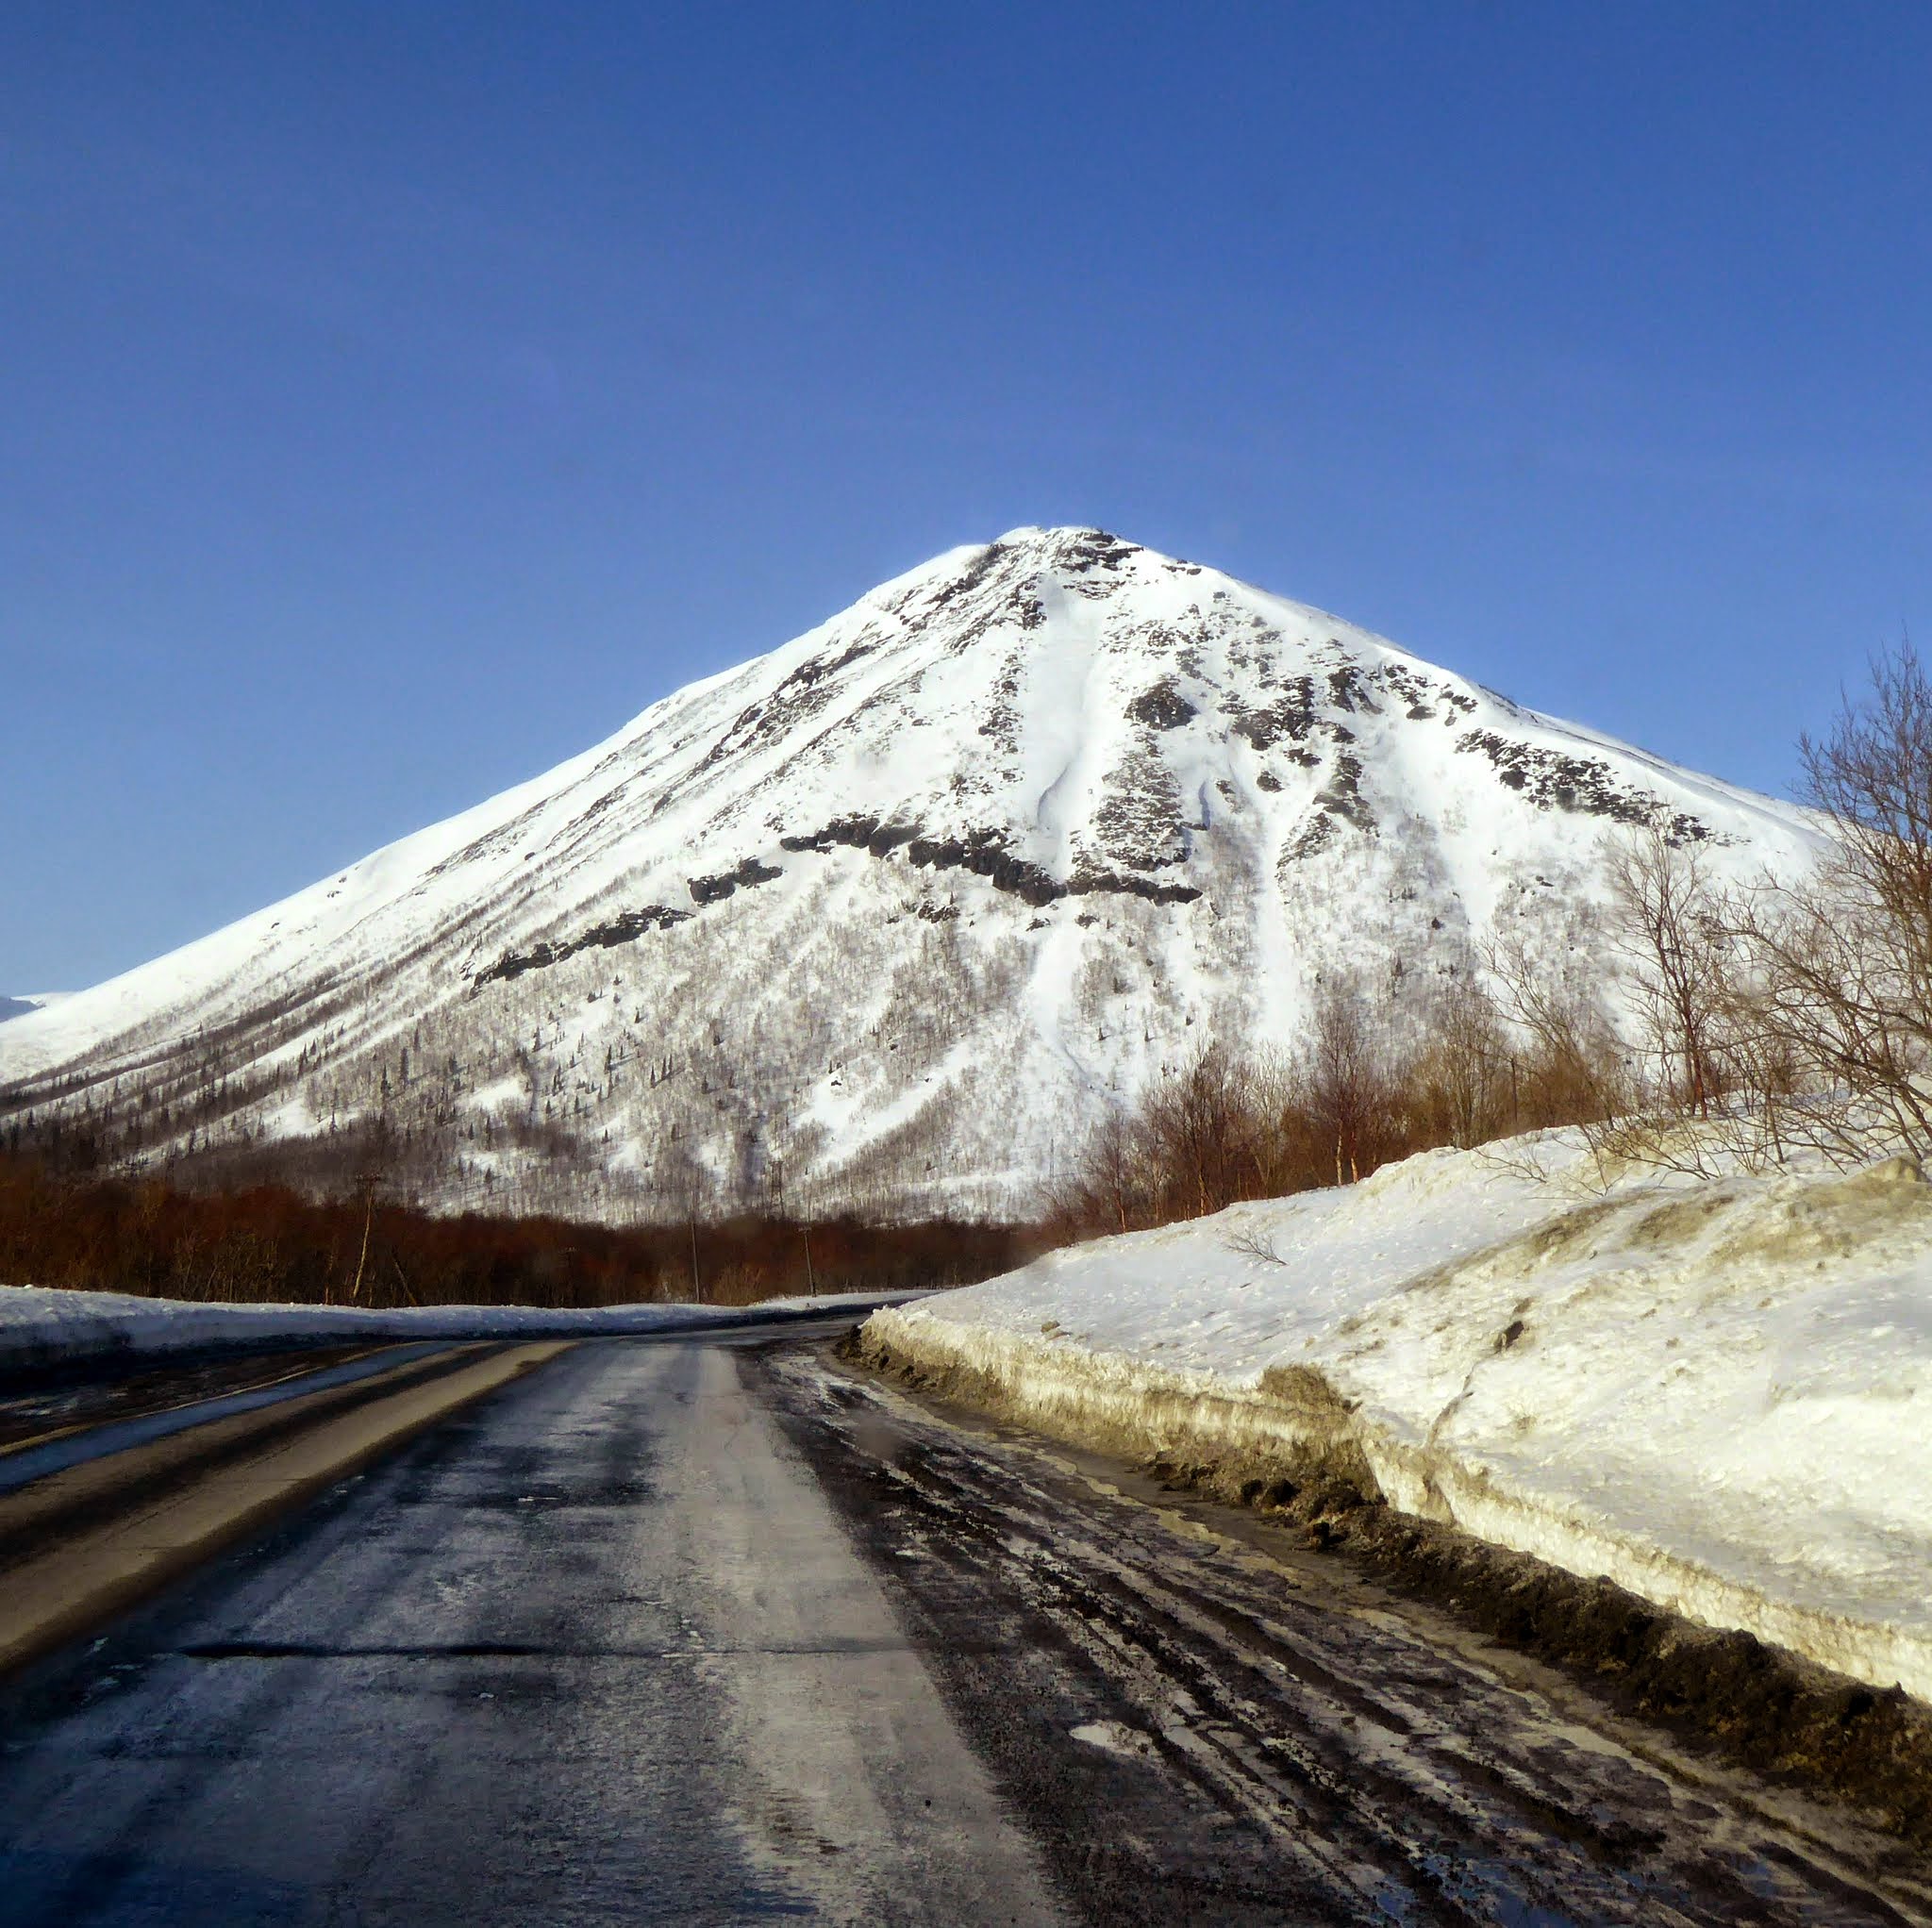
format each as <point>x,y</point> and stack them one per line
<point>1716,1393</point>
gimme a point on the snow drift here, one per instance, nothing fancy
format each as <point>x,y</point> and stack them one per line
<point>1716,1394</point>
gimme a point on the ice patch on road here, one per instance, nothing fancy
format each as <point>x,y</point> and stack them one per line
<point>1113,1737</point>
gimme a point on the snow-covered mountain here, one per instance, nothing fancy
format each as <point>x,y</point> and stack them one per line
<point>887,916</point>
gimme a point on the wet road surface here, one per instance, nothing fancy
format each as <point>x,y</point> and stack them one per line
<point>700,1634</point>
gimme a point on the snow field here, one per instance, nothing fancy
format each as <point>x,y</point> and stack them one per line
<point>1716,1394</point>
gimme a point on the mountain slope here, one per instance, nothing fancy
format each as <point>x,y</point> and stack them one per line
<point>890,915</point>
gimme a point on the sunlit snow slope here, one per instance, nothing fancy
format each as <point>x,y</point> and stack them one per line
<point>887,916</point>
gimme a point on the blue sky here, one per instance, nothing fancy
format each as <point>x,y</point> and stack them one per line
<point>395,398</point>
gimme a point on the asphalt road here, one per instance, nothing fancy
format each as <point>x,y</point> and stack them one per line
<point>702,1633</point>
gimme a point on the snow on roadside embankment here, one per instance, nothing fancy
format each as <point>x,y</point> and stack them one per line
<point>1717,1393</point>
<point>40,1326</point>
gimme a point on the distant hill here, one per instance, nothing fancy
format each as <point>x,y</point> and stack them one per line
<point>20,1006</point>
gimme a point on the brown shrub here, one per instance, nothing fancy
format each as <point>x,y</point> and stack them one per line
<point>1219,1129</point>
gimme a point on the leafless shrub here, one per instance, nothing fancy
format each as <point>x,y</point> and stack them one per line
<point>1252,1245</point>
<point>1666,930</point>
<point>1462,1079</point>
<point>270,1243</point>
<point>1569,1066</point>
<point>1841,961</point>
<point>1222,1130</point>
<point>1342,1079</point>
<point>1705,1086</point>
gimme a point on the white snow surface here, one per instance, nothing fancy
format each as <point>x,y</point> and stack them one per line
<point>1716,1393</point>
<point>42,1325</point>
<point>889,917</point>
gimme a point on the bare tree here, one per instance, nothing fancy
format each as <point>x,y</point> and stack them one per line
<point>1842,959</point>
<point>1665,925</point>
<point>1343,1076</point>
<point>1110,1173</point>
<point>1570,1068</point>
<point>373,1175</point>
<point>1459,1079</point>
<point>1201,1137</point>
<point>1201,1130</point>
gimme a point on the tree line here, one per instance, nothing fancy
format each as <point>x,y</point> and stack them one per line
<point>271,1243</point>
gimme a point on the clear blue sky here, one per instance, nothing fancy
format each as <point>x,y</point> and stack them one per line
<point>395,398</point>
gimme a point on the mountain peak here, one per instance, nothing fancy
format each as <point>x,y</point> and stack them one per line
<point>1079,545</point>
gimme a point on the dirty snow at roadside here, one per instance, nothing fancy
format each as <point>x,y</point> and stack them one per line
<point>1716,1393</point>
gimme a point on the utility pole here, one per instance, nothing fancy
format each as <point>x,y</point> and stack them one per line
<point>697,1291</point>
<point>368,1219</point>
<point>810,1285</point>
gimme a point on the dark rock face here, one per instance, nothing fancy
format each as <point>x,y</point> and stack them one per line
<point>715,889</point>
<point>1349,690</point>
<point>1162,708</point>
<point>854,832</point>
<point>1584,785</point>
<point>1089,549</point>
<point>1343,797</point>
<point>625,928</point>
<point>983,852</point>
<point>793,703</point>
<point>1294,717</point>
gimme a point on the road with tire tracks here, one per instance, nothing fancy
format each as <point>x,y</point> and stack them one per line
<point>716,1631</point>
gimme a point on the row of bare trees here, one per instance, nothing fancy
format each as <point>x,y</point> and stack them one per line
<point>1792,1011</point>
<point>1224,1128</point>
<point>270,1243</point>
<point>1731,1024</point>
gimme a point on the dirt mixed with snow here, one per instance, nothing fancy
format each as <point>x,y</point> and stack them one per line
<point>1713,1393</point>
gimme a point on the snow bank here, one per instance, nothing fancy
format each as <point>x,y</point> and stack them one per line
<point>1717,1393</point>
<point>40,1326</point>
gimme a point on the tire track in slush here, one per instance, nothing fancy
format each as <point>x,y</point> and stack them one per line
<point>1253,1740</point>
